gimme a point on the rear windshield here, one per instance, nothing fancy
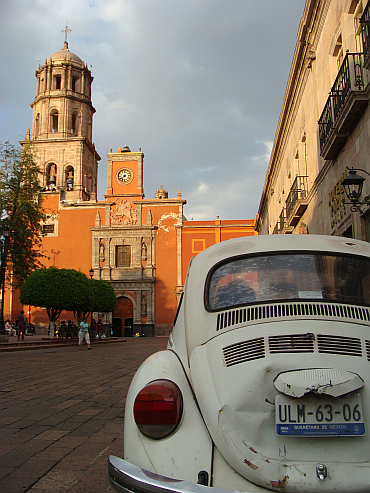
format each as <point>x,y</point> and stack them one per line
<point>289,276</point>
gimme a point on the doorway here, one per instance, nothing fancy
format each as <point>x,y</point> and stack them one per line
<point>123,318</point>
<point>128,327</point>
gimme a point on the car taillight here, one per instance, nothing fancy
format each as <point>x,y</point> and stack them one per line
<point>158,409</point>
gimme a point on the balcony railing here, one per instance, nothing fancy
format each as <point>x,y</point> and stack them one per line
<point>279,226</point>
<point>365,28</point>
<point>296,202</point>
<point>346,103</point>
<point>326,122</point>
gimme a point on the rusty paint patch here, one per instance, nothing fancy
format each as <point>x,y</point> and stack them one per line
<point>252,466</point>
<point>281,483</point>
<point>252,449</point>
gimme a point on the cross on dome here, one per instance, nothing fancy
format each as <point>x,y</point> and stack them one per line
<point>66,31</point>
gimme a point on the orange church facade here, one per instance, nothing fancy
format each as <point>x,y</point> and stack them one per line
<point>142,246</point>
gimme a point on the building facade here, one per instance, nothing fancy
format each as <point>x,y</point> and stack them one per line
<point>324,127</point>
<point>142,246</point>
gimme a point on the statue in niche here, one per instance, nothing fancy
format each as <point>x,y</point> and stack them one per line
<point>143,304</point>
<point>143,249</point>
<point>101,250</point>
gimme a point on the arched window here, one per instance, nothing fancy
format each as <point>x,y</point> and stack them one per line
<point>51,174</point>
<point>75,123</point>
<point>69,178</point>
<point>54,117</point>
<point>37,125</point>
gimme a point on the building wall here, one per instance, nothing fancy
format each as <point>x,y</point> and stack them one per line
<point>301,170</point>
<point>199,235</point>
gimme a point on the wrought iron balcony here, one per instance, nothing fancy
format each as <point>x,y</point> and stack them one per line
<point>347,101</point>
<point>279,226</point>
<point>276,230</point>
<point>365,28</point>
<point>296,202</point>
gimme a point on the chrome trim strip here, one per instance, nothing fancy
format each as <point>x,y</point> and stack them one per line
<point>125,477</point>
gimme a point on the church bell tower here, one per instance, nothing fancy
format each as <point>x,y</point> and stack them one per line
<point>62,128</point>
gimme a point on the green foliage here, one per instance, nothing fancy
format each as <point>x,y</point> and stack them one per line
<point>20,209</point>
<point>104,296</point>
<point>57,290</point>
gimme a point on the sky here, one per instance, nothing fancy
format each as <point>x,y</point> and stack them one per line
<point>198,85</point>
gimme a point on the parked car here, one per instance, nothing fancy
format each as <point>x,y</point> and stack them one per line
<point>30,328</point>
<point>265,382</point>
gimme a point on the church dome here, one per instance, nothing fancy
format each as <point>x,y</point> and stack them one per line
<point>65,54</point>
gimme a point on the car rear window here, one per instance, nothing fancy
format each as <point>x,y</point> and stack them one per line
<point>289,276</point>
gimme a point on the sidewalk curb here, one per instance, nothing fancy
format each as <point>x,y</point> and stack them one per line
<point>24,346</point>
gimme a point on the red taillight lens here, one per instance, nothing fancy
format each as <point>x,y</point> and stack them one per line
<point>158,409</point>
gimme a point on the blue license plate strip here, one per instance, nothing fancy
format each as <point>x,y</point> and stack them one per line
<point>314,416</point>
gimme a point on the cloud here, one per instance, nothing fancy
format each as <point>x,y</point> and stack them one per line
<point>197,84</point>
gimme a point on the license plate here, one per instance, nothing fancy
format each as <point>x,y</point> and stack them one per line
<point>319,416</point>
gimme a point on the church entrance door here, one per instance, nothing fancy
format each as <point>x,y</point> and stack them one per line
<point>123,318</point>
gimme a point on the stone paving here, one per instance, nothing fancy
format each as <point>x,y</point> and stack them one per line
<point>61,414</point>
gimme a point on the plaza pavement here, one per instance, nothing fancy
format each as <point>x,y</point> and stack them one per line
<point>61,411</point>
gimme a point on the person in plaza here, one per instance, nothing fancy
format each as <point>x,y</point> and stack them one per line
<point>21,325</point>
<point>9,329</point>
<point>92,330</point>
<point>83,333</point>
<point>100,328</point>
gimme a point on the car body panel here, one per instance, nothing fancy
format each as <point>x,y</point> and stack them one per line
<point>238,406</point>
<point>169,455</point>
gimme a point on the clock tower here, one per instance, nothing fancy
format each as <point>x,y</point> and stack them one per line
<point>125,174</point>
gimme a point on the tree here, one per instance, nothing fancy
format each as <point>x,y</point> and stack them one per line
<point>58,290</point>
<point>104,296</point>
<point>20,209</point>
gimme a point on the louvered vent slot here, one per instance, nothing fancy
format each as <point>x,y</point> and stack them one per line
<point>368,350</point>
<point>244,351</point>
<point>291,310</point>
<point>348,346</point>
<point>298,343</point>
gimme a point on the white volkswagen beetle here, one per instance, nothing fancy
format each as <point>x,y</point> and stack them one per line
<point>265,383</point>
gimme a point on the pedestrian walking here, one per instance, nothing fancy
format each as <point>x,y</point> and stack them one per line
<point>83,333</point>
<point>21,325</point>
<point>100,328</point>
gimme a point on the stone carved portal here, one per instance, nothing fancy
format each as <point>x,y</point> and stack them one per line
<point>123,318</point>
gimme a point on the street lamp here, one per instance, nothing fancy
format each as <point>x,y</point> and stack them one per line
<point>5,233</point>
<point>353,185</point>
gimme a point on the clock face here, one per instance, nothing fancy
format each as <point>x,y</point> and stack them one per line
<point>124,175</point>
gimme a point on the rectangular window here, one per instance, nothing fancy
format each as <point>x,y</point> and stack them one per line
<point>58,81</point>
<point>76,84</point>
<point>123,256</point>
<point>48,228</point>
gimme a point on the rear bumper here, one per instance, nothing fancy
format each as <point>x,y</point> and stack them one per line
<point>128,478</point>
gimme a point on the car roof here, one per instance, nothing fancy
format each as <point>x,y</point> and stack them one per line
<point>277,243</point>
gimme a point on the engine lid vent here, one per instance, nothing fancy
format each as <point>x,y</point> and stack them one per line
<point>244,351</point>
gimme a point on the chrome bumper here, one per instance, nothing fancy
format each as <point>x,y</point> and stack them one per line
<point>127,478</point>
